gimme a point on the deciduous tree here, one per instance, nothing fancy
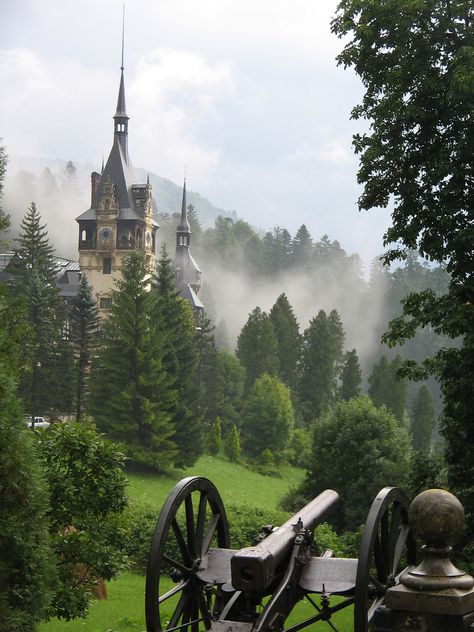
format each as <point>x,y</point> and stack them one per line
<point>417,153</point>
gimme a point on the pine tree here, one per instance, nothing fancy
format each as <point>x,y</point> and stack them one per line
<point>289,339</point>
<point>387,389</point>
<point>215,437</point>
<point>34,279</point>
<point>225,399</point>
<point>232,445</point>
<point>423,419</point>
<point>207,368</point>
<point>27,567</point>
<point>301,247</point>
<point>181,362</point>
<point>257,346</point>
<point>4,220</point>
<point>351,376</point>
<point>267,418</point>
<point>85,331</point>
<point>320,364</point>
<point>131,395</point>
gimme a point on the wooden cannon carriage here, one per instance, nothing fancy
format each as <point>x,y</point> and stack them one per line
<point>255,589</point>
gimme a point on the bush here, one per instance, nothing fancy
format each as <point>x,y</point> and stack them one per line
<point>85,475</point>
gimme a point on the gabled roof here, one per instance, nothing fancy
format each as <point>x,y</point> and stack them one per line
<point>187,292</point>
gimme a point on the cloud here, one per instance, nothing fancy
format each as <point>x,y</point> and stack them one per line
<point>175,93</point>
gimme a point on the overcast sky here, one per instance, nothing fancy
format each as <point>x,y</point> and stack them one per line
<point>246,93</point>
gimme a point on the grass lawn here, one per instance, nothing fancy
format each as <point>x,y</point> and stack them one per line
<point>123,611</point>
<point>236,484</point>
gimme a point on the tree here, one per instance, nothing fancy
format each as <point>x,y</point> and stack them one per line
<point>87,497</point>
<point>215,437</point>
<point>27,567</point>
<point>4,220</point>
<point>351,376</point>
<point>267,418</point>
<point>288,339</point>
<point>85,329</point>
<point>131,395</point>
<point>257,346</point>
<point>320,363</point>
<point>418,153</point>
<point>181,363</point>
<point>226,396</point>
<point>386,388</point>
<point>34,279</point>
<point>302,247</point>
<point>423,419</point>
<point>232,445</point>
<point>356,449</point>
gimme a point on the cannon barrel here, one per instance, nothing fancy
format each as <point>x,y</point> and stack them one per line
<point>254,568</point>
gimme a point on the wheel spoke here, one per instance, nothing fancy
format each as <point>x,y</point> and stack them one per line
<point>206,615</point>
<point>210,533</point>
<point>195,614</point>
<point>201,521</point>
<point>373,607</point>
<point>379,559</point>
<point>381,588</point>
<point>183,600</point>
<point>394,535</point>
<point>385,543</point>
<point>399,547</point>
<point>188,504</point>
<point>181,542</point>
<point>173,591</point>
<point>175,564</point>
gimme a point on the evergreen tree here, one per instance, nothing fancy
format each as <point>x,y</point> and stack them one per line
<point>181,362</point>
<point>4,220</point>
<point>387,389</point>
<point>85,330</point>
<point>267,418</point>
<point>351,376</point>
<point>34,279</point>
<point>288,338</point>
<point>232,445</point>
<point>257,346</point>
<point>277,250</point>
<point>27,571</point>
<point>226,396</point>
<point>215,437</point>
<point>131,396</point>
<point>301,247</point>
<point>423,419</point>
<point>320,364</point>
<point>207,368</point>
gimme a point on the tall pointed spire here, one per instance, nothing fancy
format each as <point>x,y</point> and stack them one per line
<point>183,226</point>
<point>120,116</point>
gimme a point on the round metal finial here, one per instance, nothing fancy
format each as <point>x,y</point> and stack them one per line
<point>436,518</point>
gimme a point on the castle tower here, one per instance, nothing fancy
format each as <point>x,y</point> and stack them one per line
<point>120,218</point>
<point>188,274</point>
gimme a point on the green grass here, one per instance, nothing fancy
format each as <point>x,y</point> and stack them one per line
<point>123,611</point>
<point>236,484</point>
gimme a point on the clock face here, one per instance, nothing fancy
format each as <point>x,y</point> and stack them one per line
<point>106,235</point>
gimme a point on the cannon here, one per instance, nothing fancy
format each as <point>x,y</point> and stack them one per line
<point>203,584</point>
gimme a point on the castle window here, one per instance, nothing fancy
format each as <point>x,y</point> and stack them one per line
<point>83,235</point>
<point>105,302</point>
<point>106,265</point>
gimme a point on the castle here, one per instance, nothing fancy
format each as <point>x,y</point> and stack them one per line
<point>120,219</point>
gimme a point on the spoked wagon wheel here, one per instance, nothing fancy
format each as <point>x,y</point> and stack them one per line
<point>386,544</point>
<point>192,520</point>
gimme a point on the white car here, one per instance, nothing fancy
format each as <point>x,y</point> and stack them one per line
<point>39,422</point>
